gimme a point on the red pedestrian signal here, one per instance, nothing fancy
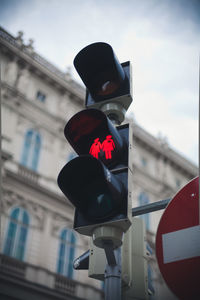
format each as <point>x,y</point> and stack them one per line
<point>106,147</point>
<point>95,148</point>
<point>91,132</point>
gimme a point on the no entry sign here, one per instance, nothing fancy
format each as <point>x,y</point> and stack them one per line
<point>178,243</point>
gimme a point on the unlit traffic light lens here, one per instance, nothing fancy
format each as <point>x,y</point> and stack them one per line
<point>93,190</point>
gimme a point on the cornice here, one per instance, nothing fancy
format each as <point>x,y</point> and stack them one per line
<point>155,186</point>
<point>35,61</point>
<point>163,151</point>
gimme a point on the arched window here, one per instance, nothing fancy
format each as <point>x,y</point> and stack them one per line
<point>15,240</point>
<point>31,150</point>
<point>144,199</point>
<point>66,253</point>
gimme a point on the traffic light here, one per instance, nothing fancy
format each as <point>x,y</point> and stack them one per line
<point>108,83</point>
<point>97,182</point>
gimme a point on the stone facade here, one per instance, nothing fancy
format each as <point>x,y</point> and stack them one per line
<point>39,99</point>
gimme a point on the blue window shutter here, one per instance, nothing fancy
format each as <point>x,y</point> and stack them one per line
<point>71,255</point>
<point>25,219</point>
<point>61,258</point>
<point>12,228</point>
<point>66,253</point>
<point>26,147</point>
<point>23,230</point>
<point>21,243</point>
<point>17,234</point>
<point>62,249</point>
<point>36,151</point>
<point>9,244</point>
<point>63,234</point>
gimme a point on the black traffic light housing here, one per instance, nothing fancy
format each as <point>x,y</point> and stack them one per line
<point>108,83</point>
<point>96,182</point>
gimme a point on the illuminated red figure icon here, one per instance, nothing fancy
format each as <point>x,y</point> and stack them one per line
<point>95,148</point>
<point>108,145</point>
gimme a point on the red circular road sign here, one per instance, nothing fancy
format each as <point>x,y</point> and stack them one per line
<point>178,243</point>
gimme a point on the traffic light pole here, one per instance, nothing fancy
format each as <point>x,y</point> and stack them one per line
<point>112,272</point>
<point>110,238</point>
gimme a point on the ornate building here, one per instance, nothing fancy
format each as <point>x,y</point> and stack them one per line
<point>38,243</point>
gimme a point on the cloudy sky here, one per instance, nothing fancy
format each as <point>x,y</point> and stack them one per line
<point>161,38</point>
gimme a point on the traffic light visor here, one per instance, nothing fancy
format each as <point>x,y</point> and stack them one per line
<point>100,70</point>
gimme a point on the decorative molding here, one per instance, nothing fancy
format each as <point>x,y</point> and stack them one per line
<point>59,222</point>
<point>31,111</point>
<point>40,63</point>
<point>37,212</point>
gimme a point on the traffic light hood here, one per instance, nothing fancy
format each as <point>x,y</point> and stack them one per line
<point>100,70</point>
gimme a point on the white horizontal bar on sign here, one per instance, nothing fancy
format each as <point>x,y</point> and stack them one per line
<point>181,244</point>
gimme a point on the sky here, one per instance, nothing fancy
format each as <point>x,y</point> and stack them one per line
<point>161,39</point>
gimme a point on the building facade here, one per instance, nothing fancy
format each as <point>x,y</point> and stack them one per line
<point>38,244</point>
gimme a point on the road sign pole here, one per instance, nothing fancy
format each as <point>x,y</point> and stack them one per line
<point>112,272</point>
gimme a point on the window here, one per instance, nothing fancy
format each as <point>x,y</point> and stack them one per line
<point>40,96</point>
<point>66,253</point>
<point>144,199</point>
<point>31,150</point>
<point>15,241</point>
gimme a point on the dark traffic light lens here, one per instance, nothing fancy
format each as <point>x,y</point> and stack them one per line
<point>92,189</point>
<point>98,202</point>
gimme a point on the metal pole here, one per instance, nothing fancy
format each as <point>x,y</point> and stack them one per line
<point>151,207</point>
<point>112,272</point>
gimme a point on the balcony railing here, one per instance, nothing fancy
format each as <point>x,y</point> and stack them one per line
<point>65,284</point>
<point>28,174</point>
<point>11,267</point>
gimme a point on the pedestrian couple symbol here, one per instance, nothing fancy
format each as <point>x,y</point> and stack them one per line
<point>107,146</point>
